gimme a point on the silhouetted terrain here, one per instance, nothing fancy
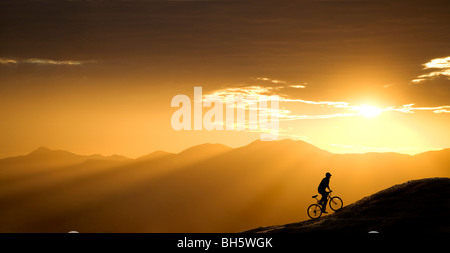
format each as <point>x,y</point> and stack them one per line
<point>206,188</point>
<point>419,206</point>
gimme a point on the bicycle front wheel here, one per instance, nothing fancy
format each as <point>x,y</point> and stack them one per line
<point>314,211</point>
<point>336,203</point>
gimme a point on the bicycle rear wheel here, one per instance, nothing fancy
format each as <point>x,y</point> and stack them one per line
<point>314,211</point>
<point>336,203</point>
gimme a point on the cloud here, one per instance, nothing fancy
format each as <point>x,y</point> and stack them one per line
<point>259,93</point>
<point>243,91</point>
<point>409,108</point>
<point>327,103</point>
<point>298,86</point>
<point>42,61</point>
<point>7,61</point>
<point>270,80</point>
<point>282,84</point>
<point>441,67</point>
<point>264,93</point>
<point>319,116</point>
<point>439,63</point>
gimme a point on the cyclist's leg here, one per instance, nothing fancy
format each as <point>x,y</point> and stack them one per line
<point>325,201</point>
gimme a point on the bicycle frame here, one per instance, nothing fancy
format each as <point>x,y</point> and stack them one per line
<point>328,198</point>
<point>315,210</point>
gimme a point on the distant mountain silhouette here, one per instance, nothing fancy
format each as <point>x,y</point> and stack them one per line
<point>155,155</point>
<point>287,145</point>
<point>202,151</point>
<point>206,188</point>
<point>44,151</point>
<point>418,206</point>
<point>44,154</point>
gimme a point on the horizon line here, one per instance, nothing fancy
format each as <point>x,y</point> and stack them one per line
<point>17,154</point>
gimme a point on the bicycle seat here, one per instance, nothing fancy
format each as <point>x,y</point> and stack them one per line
<point>314,196</point>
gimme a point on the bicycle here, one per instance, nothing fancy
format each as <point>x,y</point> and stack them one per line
<point>315,210</point>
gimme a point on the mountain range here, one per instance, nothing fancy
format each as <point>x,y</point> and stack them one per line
<point>206,188</point>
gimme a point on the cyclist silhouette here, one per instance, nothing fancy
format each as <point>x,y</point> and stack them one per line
<point>324,184</point>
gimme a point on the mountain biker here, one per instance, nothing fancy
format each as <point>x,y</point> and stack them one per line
<point>324,184</point>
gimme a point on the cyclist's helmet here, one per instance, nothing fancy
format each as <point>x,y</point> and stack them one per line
<point>328,174</point>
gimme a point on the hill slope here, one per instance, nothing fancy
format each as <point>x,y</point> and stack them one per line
<point>419,206</point>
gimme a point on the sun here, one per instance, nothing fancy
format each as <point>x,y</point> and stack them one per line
<point>368,111</point>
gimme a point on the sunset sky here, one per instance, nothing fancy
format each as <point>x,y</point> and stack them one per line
<point>99,76</point>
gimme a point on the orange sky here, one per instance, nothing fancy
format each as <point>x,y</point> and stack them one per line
<point>99,77</point>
